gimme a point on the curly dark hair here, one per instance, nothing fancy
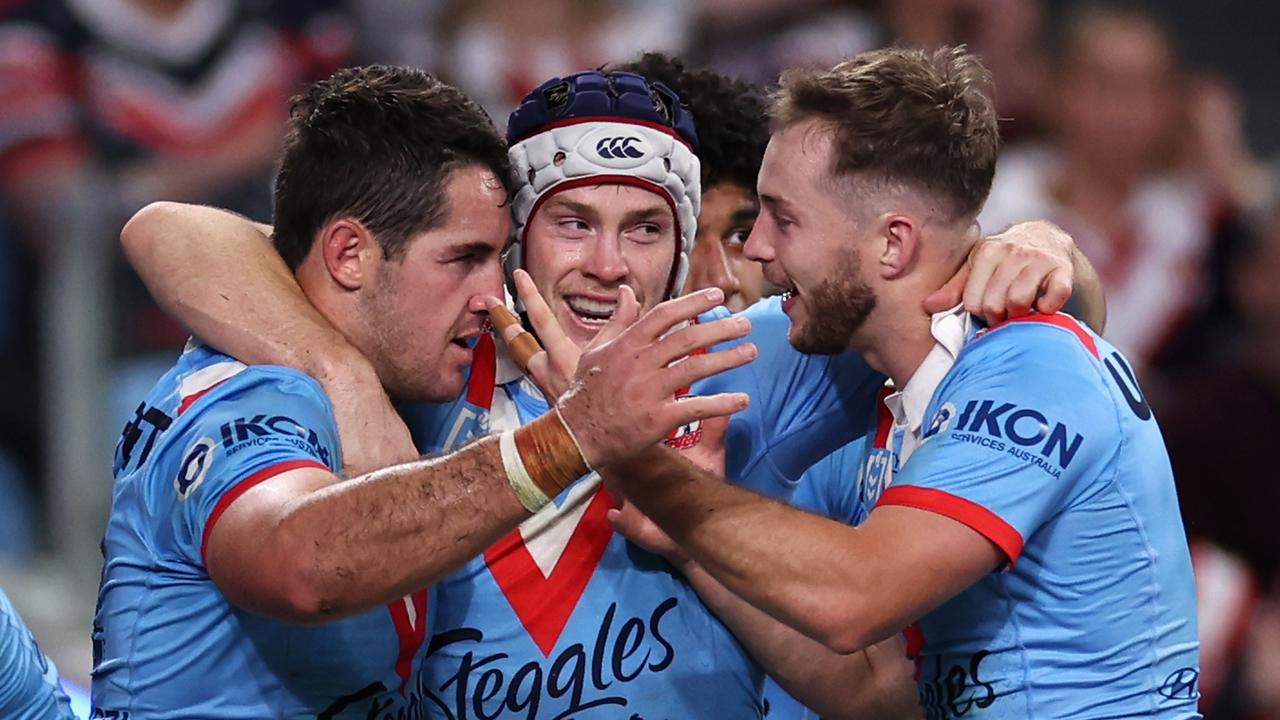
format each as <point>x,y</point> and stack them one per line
<point>730,115</point>
<point>378,143</point>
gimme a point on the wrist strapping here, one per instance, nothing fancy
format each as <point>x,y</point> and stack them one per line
<point>527,491</point>
<point>541,459</point>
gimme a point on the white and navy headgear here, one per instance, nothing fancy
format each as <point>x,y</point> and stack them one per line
<point>594,128</point>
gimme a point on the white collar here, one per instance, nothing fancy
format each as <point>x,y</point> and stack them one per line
<point>950,330</point>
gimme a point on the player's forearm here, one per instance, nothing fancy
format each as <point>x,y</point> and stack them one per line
<point>1088,301</point>
<point>365,542</point>
<point>217,274</point>
<point>861,686</point>
<point>804,570</point>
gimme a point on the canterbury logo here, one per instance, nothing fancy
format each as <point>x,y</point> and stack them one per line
<point>619,147</point>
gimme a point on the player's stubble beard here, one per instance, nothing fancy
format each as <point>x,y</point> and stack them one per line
<point>837,308</point>
<point>407,373</point>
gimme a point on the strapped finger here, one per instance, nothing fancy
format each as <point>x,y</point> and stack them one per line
<point>519,341</point>
<point>544,322</point>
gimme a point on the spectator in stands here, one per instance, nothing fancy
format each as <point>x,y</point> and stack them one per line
<point>1111,176</point>
<point>105,106</point>
<point>498,51</point>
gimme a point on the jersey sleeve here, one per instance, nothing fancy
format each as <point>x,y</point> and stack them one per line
<point>28,680</point>
<point>832,487</point>
<point>1015,432</point>
<point>803,407</point>
<point>257,425</point>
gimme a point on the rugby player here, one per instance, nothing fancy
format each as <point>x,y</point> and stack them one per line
<point>242,578</point>
<point>546,611</point>
<point>1029,535</point>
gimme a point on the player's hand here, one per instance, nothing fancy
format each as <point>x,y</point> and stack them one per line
<point>372,433</point>
<point>1007,275</point>
<point>553,365</point>
<point>623,396</point>
<point>636,527</point>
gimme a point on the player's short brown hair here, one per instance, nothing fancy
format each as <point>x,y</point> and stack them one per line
<point>903,116</point>
<point>377,143</point>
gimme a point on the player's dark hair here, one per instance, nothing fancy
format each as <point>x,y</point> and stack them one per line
<point>903,116</point>
<point>730,116</point>
<point>377,143</point>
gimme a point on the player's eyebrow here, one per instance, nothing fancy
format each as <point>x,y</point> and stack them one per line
<point>744,214</point>
<point>573,208</point>
<point>774,203</point>
<point>475,247</point>
<point>655,214</point>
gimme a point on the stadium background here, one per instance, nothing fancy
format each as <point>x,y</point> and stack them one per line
<point>1152,140</point>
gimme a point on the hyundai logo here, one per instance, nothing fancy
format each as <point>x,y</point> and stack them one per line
<point>1181,684</point>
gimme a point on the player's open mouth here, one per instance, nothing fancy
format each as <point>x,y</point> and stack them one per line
<point>591,312</point>
<point>466,339</point>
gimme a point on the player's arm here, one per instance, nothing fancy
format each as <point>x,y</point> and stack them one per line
<point>306,547</point>
<point>846,587</point>
<point>1030,266</point>
<point>303,546</point>
<point>875,682</point>
<point>217,274</point>
<point>959,508</point>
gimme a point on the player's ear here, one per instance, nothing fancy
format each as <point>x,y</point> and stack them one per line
<point>901,244</point>
<point>350,252</point>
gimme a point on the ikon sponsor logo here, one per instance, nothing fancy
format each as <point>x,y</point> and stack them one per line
<point>1023,432</point>
<point>244,432</point>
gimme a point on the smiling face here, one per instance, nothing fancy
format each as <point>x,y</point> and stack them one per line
<point>808,241</point>
<point>585,243</point>
<point>418,311</point>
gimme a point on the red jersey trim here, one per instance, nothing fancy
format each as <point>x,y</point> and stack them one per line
<point>484,372</point>
<point>1066,322</point>
<point>190,400</point>
<point>884,419</point>
<point>966,512</point>
<point>243,487</point>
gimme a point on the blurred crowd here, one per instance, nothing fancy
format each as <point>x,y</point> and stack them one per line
<point>1110,130</point>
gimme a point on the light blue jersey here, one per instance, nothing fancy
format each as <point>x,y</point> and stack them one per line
<point>564,618</point>
<point>843,486</point>
<point>167,644</point>
<point>1039,439</point>
<point>29,687</point>
<point>803,407</point>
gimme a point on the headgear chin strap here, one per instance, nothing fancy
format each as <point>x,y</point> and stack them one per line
<point>593,128</point>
